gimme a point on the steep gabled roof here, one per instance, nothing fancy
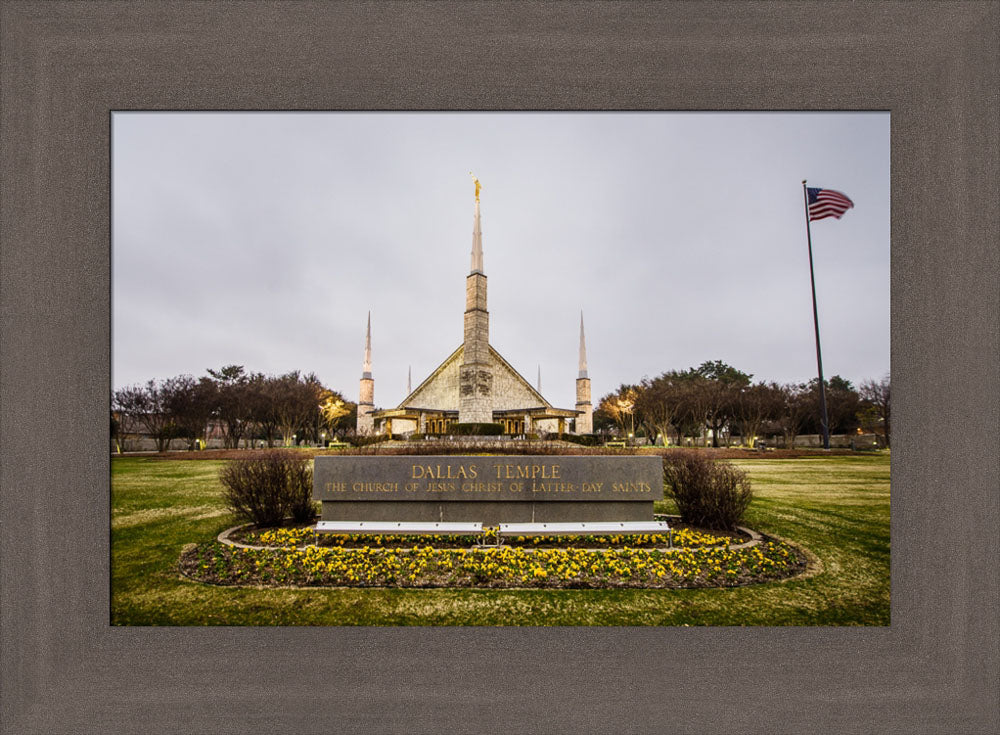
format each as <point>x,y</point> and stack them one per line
<point>532,396</point>
<point>520,378</point>
<point>430,378</point>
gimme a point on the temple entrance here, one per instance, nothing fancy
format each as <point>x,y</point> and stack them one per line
<point>438,426</point>
<point>513,426</point>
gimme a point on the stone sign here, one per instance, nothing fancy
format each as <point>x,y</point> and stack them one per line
<point>508,489</point>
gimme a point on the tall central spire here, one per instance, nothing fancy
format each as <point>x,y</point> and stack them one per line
<point>475,373</point>
<point>583,351</point>
<point>477,237</point>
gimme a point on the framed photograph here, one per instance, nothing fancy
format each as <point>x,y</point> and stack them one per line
<point>69,69</point>
<point>683,237</point>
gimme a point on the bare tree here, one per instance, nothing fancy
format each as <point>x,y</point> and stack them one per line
<point>298,404</point>
<point>190,404</point>
<point>334,410</point>
<point>842,402</point>
<point>692,405</point>
<point>754,406</point>
<point>658,403</point>
<point>620,406</point>
<point>878,395</point>
<point>795,408</point>
<point>263,396</point>
<point>144,406</point>
<point>720,392</point>
<point>233,410</point>
<point>116,431</point>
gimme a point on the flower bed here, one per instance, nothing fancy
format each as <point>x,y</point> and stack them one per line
<point>502,567</point>
<point>291,537</point>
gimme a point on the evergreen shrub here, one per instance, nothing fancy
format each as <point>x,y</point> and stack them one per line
<point>585,440</point>
<point>471,429</point>
<point>366,440</point>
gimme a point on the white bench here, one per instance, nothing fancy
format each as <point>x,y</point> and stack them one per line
<point>454,528</point>
<point>402,528</point>
<point>593,528</point>
<point>422,528</point>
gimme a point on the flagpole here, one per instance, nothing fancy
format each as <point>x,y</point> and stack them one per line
<point>824,421</point>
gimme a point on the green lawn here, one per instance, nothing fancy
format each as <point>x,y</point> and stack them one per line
<point>837,507</point>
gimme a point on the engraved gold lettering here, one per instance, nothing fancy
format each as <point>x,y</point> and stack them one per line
<point>375,487</point>
<point>629,487</point>
<point>553,487</point>
<point>481,487</point>
<point>443,472</point>
<point>528,471</point>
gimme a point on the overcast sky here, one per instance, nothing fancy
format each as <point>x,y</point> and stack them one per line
<point>264,239</point>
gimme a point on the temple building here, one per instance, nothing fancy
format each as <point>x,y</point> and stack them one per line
<point>474,384</point>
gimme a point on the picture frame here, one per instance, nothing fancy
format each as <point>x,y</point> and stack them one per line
<point>66,66</point>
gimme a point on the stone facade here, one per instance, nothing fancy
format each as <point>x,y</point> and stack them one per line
<point>475,378</point>
<point>366,405</point>
<point>440,391</point>
<point>585,421</point>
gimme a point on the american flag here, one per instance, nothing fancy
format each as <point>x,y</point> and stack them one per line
<point>827,203</point>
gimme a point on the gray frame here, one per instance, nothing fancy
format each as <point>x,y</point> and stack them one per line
<point>66,64</point>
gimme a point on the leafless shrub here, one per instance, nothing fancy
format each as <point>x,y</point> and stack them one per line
<point>708,493</point>
<point>268,486</point>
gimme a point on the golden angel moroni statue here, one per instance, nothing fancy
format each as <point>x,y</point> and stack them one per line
<point>478,185</point>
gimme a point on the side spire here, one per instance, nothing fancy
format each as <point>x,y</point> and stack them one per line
<point>366,392</point>
<point>409,379</point>
<point>584,408</point>
<point>539,378</point>
<point>367,367</point>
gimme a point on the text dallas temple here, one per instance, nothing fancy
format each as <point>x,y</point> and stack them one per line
<point>474,384</point>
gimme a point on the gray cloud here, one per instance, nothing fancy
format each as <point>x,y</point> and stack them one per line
<point>264,239</point>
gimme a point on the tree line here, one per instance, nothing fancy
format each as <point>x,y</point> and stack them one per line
<point>718,399</point>
<point>241,406</point>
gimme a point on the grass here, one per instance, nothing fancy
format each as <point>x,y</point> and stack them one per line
<point>837,507</point>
